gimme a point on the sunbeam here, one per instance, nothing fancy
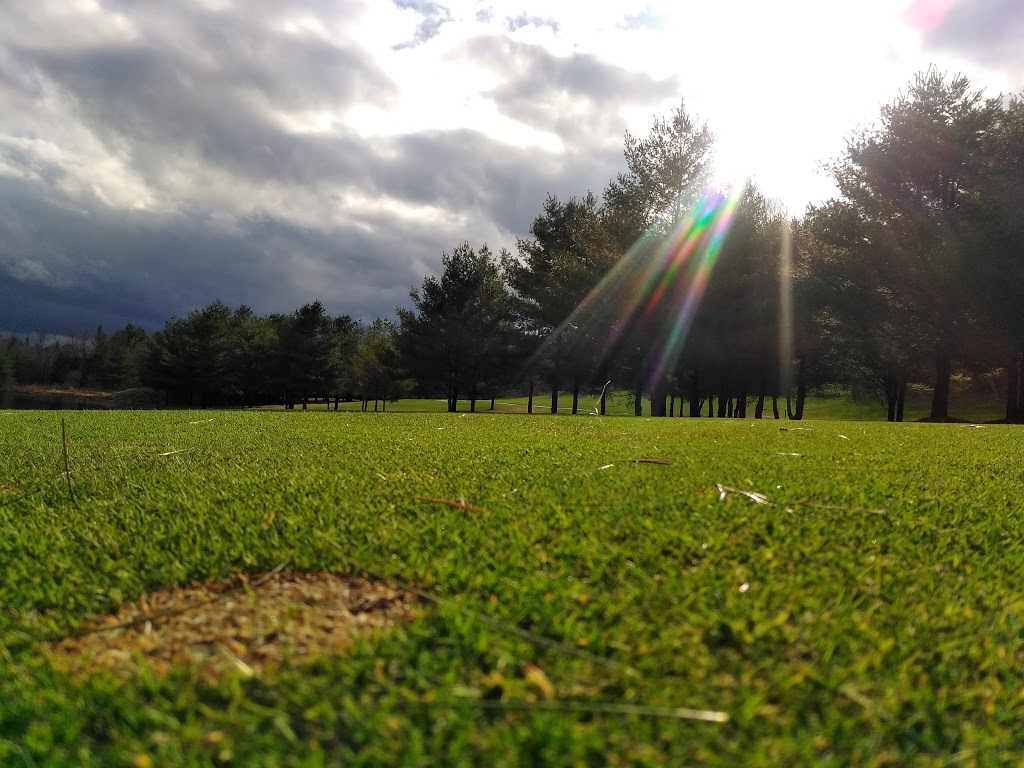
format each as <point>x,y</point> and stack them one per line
<point>655,289</point>
<point>785,310</point>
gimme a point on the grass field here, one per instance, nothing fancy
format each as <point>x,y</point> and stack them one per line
<point>869,612</point>
<point>962,406</point>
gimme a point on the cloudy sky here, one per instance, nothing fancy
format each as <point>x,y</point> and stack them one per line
<point>158,154</point>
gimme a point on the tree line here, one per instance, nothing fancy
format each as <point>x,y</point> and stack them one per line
<point>712,300</point>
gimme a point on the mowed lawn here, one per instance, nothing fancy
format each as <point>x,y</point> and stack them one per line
<point>862,604</point>
<point>966,406</point>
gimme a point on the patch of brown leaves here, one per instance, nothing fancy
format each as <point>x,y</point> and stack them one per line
<point>243,623</point>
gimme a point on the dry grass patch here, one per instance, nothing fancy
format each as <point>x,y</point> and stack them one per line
<point>242,623</point>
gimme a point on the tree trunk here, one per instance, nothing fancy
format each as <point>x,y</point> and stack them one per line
<point>728,408</point>
<point>305,401</point>
<point>711,406</point>
<point>801,390</point>
<point>901,399</point>
<point>604,400</point>
<point>337,400</point>
<point>376,403</point>
<point>492,403</point>
<point>554,400</point>
<point>775,407</point>
<point>453,399</point>
<point>672,406</point>
<point>529,401</point>
<point>940,397</point>
<point>472,399</point>
<point>695,401</point>
<point>892,391</point>
<point>575,397</point>
<point>759,408</point>
<point>1015,389</point>
<point>724,403</point>
<point>659,398</point>
<point>638,400</point>
<point>741,407</point>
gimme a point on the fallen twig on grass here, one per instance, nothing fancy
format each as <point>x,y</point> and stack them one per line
<point>660,462</point>
<point>760,498</point>
<point>583,707</point>
<point>859,698</point>
<point>837,507</point>
<point>754,496</point>
<point>449,503</point>
<point>16,499</point>
<point>171,453</point>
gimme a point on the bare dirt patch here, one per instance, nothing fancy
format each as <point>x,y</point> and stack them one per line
<point>244,623</point>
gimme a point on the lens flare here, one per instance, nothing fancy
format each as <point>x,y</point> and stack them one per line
<point>927,15</point>
<point>654,291</point>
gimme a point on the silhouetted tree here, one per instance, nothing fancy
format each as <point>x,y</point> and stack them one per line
<point>453,336</point>
<point>908,179</point>
<point>569,252</point>
<point>374,364</point>
<point>667,173</point>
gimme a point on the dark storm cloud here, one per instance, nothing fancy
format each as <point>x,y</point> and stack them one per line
<point>68,268</point>
<point>467,171</point>
<point>990,32</point>
<point>192,107</point>
<point>537,84</point>
<point>95,266</point>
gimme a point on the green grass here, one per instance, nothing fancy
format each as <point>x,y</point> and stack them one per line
<point>830,634</point>
<point>964,404</point>
<point>967,406</point>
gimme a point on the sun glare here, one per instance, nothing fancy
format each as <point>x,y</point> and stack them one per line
<point>655,290</point>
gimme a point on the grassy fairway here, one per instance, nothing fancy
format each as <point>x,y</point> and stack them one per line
<point>872,612</point>
<point>970,408</point>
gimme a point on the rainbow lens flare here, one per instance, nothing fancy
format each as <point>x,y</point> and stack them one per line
<point>927,15</point>
<point>654,291</point>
